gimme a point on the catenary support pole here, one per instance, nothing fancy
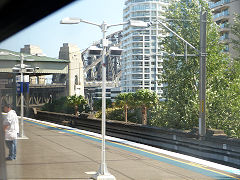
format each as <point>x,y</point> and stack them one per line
<point>202,88</point>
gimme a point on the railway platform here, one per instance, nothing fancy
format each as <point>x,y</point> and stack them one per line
<point>55,152</point>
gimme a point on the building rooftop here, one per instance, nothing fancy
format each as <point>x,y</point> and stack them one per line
<point>34,57</point>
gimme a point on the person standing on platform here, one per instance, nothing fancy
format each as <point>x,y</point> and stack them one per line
<point>11,127</point>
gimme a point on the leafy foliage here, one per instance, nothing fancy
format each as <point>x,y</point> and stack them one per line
<point>132,103</point>
<point>58,105</point>
<point>76,101</point>
<point>97,104</point>
<point>124,100</point>
<point>115,113</point>
<point>61,105</point>
<point>180,110</point>
<point>144,99</point>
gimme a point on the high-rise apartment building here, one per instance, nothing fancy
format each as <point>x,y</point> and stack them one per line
<point>142,60</point>
<point>223,14</point>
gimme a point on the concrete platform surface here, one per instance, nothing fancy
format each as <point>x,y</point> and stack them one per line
<point>52,153</point>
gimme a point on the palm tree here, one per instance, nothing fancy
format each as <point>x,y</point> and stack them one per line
<point>124,100</point>
<point>145,99</point>
<point>75,101</point>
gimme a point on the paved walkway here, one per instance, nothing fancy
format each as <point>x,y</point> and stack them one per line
<point>51,153</point>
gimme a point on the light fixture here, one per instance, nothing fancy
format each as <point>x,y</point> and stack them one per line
<point>68,20</point>
<point>115,51</point>
<point>94,51</point>
<point>16,70</point>
<point>136,23</point>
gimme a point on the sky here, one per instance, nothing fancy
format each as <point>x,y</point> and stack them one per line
<point>49,34</point>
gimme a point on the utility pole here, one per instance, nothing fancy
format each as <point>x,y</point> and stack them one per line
<point>202,88</point>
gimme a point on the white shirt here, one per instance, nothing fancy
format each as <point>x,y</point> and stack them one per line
<point>11,120</point>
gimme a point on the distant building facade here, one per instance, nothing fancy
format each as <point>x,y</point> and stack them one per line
<point>36,51</point>
<point>93,70</point>
<point>142,60</point>
<point>223,14</point>
<point>75,78</point>
<point>32,49</point>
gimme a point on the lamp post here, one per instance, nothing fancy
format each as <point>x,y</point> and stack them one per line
<point>103,173</point>
<point>20,68</point>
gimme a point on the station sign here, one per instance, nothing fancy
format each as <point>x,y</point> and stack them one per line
<point>22,86</point>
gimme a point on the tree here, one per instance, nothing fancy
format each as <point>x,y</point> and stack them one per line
<point>236,32</point>
<point>75,101</point>
<point>58,105</point>
<point>124,100</point>
<point>145,99</point>
<point>97,104</point>
<point>181,77</point>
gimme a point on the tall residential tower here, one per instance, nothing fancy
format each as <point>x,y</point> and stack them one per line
<point>142,60</point>
<point>223,14</point>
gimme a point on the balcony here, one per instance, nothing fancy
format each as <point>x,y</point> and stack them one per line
<point>224,37</point>
<point>222,15</point>
<point>224,27</point>
<point>218,4</point>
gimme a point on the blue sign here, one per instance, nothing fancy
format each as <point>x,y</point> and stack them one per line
<point>19,87</point>
<point>26,87</point>
<point>22,87</point>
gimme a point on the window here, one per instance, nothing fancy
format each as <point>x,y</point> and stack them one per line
<point>137,38</point>
<point>154,13</point>
<point>154,6</point>
<point>153,32</point>
<point>137,76</point>
<point>153,57</point>
<point>147,57</point>
<point>147,38</point>
<point>146,51</point>
<point>154,38</point>
<point>153,44</point>
<point>137,51</point>
<point>147,83</point>
<point>146,70</point>
<point>160,64</point>
<point>153,50</point>
<point>146,44</point>
<point>146,76</point>
<point>137,57</point>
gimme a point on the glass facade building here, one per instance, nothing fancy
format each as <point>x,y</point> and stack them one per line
<point>142,59</point>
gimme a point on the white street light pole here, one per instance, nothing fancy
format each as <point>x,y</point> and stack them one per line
<point>21,133</point>
<point>103,167</point>
<point>103,173</point>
